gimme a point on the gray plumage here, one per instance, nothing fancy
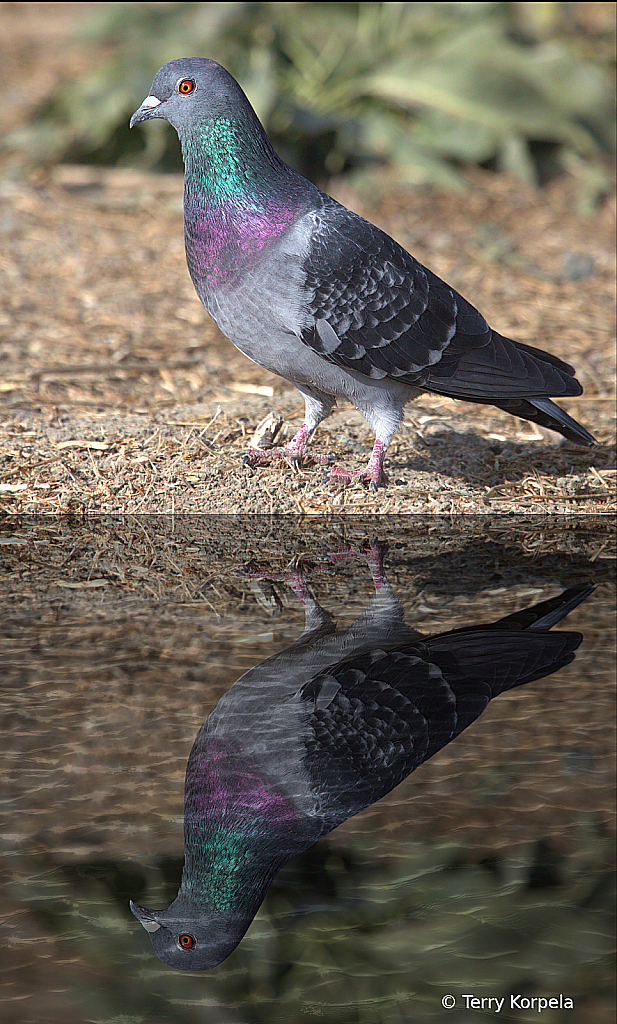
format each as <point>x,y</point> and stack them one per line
<point>321,297</point>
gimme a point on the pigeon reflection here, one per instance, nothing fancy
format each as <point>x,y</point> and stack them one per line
<point>317,733</point>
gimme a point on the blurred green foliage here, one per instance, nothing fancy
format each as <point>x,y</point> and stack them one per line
<point>423,88</point>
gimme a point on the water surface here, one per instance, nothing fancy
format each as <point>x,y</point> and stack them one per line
<point>487,871</point>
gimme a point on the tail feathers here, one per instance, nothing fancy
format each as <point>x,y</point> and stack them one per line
<point>508,659</point>
<point>557,609</point>
<point>547,414</point>
<point>546,614</point>
<point>513,377</point>
<point>499,369</point>
<point>547,357</point>
<point>541,616</point>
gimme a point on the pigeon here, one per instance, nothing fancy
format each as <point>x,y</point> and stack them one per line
<point>321,297</point>
<point>317,733</point>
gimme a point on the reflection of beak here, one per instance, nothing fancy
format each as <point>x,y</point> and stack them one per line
<point>146,917</point>
<point>147,110</point>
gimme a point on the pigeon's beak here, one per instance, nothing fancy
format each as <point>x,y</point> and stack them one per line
<point>147,110</point>
<point>146,917</point>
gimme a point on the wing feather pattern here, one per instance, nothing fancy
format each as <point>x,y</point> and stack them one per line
<point>387,712</point>
<point>374,309</point>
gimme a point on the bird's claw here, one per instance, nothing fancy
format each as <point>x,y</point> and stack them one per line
<point>252,456</point>
<point>369,476</point>
<point>294,457</point>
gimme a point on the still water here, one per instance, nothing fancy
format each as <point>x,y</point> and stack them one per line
<point>398,804</point>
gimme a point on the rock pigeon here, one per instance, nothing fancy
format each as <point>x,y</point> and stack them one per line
<point>317,733</point>
<point>320,296</point>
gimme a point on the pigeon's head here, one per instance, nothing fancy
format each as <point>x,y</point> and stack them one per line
<point>189,90</point>
<point>188,939</point>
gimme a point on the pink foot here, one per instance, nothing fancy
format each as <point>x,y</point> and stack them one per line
<point>295,580</point>
<point>348,476</point>
<point>373,475</point>
<point>293,576</point>
<point>292,453</point>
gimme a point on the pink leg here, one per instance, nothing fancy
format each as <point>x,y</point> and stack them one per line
<point>373,553</point>
<point>292,453</point>
<point>373,475</point>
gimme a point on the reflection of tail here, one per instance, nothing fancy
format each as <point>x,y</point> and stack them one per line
<point>543,615</point>
<point>557,609</point>
<point>509,659</point>
<point>520,648</point>
<point>546,614</point>
<point>547,414</point>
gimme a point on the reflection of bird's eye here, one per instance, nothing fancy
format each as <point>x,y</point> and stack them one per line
<point>185,941</point>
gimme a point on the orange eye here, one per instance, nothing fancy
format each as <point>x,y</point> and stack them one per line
<point>186,86</point>
<point>185,941</point>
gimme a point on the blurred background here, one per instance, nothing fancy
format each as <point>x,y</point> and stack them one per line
<point>423,89</point>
